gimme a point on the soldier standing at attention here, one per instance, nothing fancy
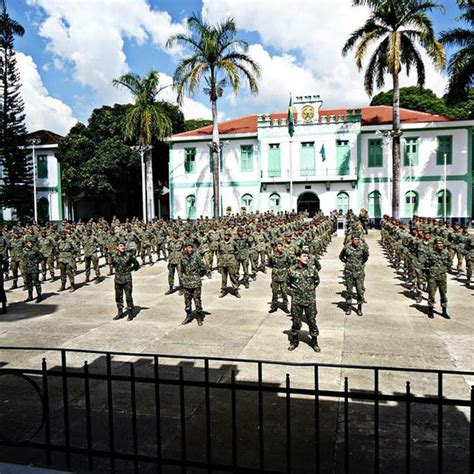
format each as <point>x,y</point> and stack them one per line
<point>192,269</point>
<point>242,255</point>
<point>279,262</point>
<point>16,250</point>
<point>354,256</point>
<point>111,248</point>
<point>67,261</point>
<point>175,251</point>
<point>205,251</point>
<point>90,243</point>
<point>214,239</point>
<point>31,260</point>
<point>227,264</point>
<point>47,246</point>
<point>302,282</point>
<point>3,296</point>
<point>124,263</point>
<point>437,264</point>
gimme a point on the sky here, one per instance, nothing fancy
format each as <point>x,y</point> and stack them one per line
<point>73,49</point>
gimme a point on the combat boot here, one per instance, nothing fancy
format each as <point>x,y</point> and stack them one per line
<point>359,309</point>
<point>4,307</point>
<point>273,308</point>
<point>246,284</point>
<point>200,317</point>
<point>445,313</point>
<point>418,297</point>
<point>187,319</point>
<point>131,313</point>
<point>72,289</point>
<point>169,291</point>
<point>97,279</point>
<point>209,275</point>
<point>285,308</point>
<point>88,279</point>
<point>237,293</point>
<point>44,277</point>
<point>293,342</point>
<point>223,293</point>
<point>348,309</point>
<point>14,286</point>
<point>119,314</point>
<point>39,297</point>
<point>30,296</point>
<point>314,344</point>
<point>430,312</point>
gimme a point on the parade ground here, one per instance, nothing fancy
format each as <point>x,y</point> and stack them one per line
<point>393,332</point>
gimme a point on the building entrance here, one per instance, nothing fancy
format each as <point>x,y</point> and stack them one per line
<point>308,202</point>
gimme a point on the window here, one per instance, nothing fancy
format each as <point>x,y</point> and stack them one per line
<point>411,151</point>
<point>307,159</point>
<point>375,152</point>
<point>247,202</point>
<point>43,210</point>
<point>375,207</point>
<point>442,202</point>
<point>191,207</point>
<point>274,161</point>
<point>343,201</point>
<point>246,158</point>
<point>411,203</point>
<point>275,202</point>
<point>42,166</point>
<point>190,160</point>
<point>343,157</point>
<point>445,147</point>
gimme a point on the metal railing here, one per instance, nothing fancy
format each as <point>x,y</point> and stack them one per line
<point>305,173</point>
<point>196,413</point>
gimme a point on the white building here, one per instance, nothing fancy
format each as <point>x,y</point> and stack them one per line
<point>42,146</point>
<point>337,159</point>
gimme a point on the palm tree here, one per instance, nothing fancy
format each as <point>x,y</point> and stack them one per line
<point>396,26</point>
<point>461,63</point>
<point>146,121</point>
<point>220,58</point>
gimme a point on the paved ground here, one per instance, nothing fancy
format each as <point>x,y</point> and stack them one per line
<point>394,331</point>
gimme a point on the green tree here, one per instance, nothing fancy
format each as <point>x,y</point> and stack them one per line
<point>16,190</point>
<point>461,63</point>
<point>395,26</point>
<point>219,58</point>
<point>193,124</point>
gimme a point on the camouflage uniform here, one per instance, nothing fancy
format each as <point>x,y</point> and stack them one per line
<point>123,264</point>
<point>214,239</point>
<point>437,265</point>
<point>3,296</point>
<point>31,258</point>
<point>175,252</point>
<point>90,243</point>
<point>279,263</point>
<point>242,256</point>
<point>47,246</point>
<point>67,251</point>
<point>192,269</point>
<point>16,252</point>
<point>227,264</point>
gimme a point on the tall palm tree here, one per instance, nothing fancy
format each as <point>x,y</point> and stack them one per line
<point>146,121</point>
<point>219,58</point>
<point>461,63</point>
<point>396,27</point>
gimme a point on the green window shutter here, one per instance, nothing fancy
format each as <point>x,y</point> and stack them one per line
<point>343,157</point>
<point>440,199</point>
<point>274,161</point>
<point>375,152</point>
<point>247,202</point>
<point>411,203</point>
<point>375,206</point>
<point>411,152</point>
<point>189,160</point>
<point>307,159</point>
<point>42,166</point>
<point>246,158</point>
<point>445,146</point>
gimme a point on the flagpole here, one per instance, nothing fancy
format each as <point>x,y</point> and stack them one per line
<point>291,174</point>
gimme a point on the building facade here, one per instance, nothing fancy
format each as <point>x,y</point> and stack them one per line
<point>49,201</point>
<point>336,159</point>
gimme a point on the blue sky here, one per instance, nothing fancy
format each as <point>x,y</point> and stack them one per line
<point>73,49</point>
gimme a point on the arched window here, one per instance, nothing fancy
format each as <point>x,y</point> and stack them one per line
<point>375,204</point>
<point>247,202</point>
<point>343,201</point>
<point>442,203</point>
<point>43,209</point>
<point>411,203</point>
<point>275,202</point>
<point>191,207</point>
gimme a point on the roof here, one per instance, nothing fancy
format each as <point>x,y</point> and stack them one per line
<point>46,137</point>
<point>375,115</point>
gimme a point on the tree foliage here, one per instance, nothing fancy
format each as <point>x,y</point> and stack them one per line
<point>193,124</point>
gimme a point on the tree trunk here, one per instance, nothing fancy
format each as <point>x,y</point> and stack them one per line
<point>215,159</point>
<point>396,158</point>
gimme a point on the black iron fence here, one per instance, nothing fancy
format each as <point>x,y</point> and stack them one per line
<point>135,412</point>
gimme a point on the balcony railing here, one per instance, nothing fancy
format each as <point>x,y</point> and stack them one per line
<point>309,174</point>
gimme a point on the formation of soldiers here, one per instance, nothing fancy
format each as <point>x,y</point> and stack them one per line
<point>426,251</point>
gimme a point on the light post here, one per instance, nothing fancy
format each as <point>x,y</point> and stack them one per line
<point>33,142</point>
<point>445,156</point>
<point>214,147</point>
<point>143,149</point>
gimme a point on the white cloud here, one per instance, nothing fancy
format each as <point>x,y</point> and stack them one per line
<point>42,111</point>
<point>315,29</point>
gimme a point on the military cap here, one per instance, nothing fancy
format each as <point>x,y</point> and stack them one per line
<point>240,229</point>
<point>355,235</point>
<point>227,232</point>
<point>437,241</point>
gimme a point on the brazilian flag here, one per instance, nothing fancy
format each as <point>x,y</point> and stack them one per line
<point>291,118</point>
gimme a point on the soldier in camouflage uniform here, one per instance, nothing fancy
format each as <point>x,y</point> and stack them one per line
<point>261,240</point>
<point>4,245</point>
<point>47,246</point>
<point>31,259</point>
<point>437,265</point>
<point>214,239</point>
<point>147,240</point>
<point>175,252</point>
<point>242,255</point>
<point>302,283</point>
<point>67,252</point>
<point>468,253</point>
<point>227,264</point>
<point>3,296</point>
<point>280,263</point>
<point>205,251</point>
<point>111,242</point>
<point>253,254</point>
<point>124,263</point>
<point>16,253</point>
<point>192,269</point>
<point>90,244</point>
<point>354,256</point>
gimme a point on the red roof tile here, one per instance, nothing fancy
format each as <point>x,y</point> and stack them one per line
<point>376,115</point>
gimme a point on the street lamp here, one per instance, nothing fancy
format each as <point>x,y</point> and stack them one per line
<point>143,149</point>
<point>33,142</point>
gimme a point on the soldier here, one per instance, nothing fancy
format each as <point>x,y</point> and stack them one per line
<point>16,252</point>
<point>354,256</point>
<point>4,252</point>
<point>111,248</point>
<point>253,254</point>
<point>205,251</point>
<point>31,259</point>
<point>468,253</point>
<point>67,251</point>
<point>260,246</point>
<point>47,246</point>
<point>214,239</point>
<point>124,263</point>
<point>192,269</point>
<point>242,255</point>
<point>437,265</point>
<point>90,243</point>
<point>147,240</point>
<point>302,283</point>
<point>227,264</point>
<point>279,262</point>
<point>3,296</point>
<point>175,251</point>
